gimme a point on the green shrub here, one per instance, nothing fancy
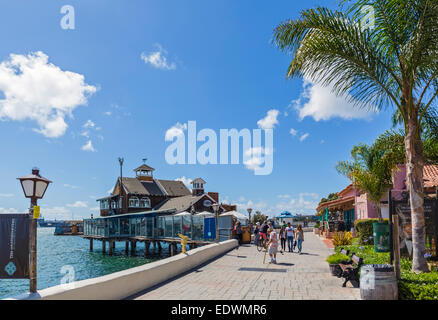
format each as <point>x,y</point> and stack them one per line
<point>364,230</point>
<point>317,225</point>
<point>412,286</point>
<point>337,258</point>
<point>423,286</point>
<point>367,253</point>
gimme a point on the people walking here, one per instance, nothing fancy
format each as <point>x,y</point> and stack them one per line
<point>299,236</point>
<point>283,237</point>
<point>273,245</point>
<point>238,230</point>
<point>290,237</point>
<point>256,232</point>
<point>264,230</point>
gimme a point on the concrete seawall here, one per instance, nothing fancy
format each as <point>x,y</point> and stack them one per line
<point>120,285</point>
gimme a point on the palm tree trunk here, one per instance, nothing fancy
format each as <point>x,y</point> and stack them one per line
<point>379,212</point>
<point>414,176</point>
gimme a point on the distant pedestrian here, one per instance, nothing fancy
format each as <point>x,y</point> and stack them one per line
<point>273,245</point>
<point>283,237</point>
<point>256,232</point>
<point>290,237</point>
<point>299,236</point>
<point>238,230</point>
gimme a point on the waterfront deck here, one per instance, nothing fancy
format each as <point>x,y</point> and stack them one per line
<point>240,274</point>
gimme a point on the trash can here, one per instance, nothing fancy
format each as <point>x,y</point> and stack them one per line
<point>378,282</point>
<point>381,237</point>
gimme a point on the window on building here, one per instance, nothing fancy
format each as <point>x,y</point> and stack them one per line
<point>120,202</point>
<point>133,202</point>
<point>145,202</point>
<point>113,204</point>
<point>104,204</point>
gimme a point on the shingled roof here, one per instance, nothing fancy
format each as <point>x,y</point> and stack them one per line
<point>430,175</point>
<point>174,188</point>
<point>155,187</point>
<point>178,203</point>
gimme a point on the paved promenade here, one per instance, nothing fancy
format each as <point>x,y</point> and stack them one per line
<point>241,275</point>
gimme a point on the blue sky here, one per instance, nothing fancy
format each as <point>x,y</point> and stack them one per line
<point>89,97</point>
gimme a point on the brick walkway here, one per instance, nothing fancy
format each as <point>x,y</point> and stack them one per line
<point>241,275</point>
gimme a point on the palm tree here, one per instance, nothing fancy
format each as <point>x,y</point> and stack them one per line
<point>395,63</point>
<point>370,171</point>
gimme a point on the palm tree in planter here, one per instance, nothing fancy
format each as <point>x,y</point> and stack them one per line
<point>371,172</point>
<point>395,63</point>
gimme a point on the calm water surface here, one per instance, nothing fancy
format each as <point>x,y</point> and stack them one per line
<point>55,252</point>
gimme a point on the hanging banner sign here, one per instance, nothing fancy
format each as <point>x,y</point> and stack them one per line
<point>14,246</point>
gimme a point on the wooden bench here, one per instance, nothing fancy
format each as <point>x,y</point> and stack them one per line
<point>350,270</point>
<point>343,251</point>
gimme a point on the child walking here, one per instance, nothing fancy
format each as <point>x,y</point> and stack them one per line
<point>273,245</point>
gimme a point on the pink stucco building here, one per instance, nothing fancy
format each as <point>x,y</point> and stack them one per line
<point>352,204</point>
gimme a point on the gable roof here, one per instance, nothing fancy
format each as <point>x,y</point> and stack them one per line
<point>182,203</point>
<point>178,203</point>
<point>144,167</point>
<point>174,188</point>
<point>155,187</point>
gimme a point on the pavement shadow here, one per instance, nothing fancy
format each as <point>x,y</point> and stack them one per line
<point>309,254</point>
<point>285,264</point>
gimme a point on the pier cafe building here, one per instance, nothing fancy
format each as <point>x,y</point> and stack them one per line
<point>143,208</point>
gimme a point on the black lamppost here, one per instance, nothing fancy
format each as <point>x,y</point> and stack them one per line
<point>249,214</point>
<point>216,209</point>
<point>34,187</point>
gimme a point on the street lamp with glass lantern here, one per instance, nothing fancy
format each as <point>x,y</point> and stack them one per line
<point>216,209</point>
<point>34,187</point>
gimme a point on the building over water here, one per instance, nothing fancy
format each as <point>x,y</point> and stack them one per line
<point>144,193</point>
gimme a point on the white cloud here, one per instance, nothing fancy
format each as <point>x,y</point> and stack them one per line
<point>283,196</point>
<point>293,132</point>
<point>321,103</point>
<point>89,124</point>
<point>10,210</point>
<point>158,59</point>
<point>254,163</point>
<point>70,186</point>
<point>175,131</point>
<point>256,157</point>
<point>108,113</point>
<point>78,204</point>
<point>257,151</point>
<point>88,147</point>
<point>269,121</point>
<point>186,181</point>
<point>6,195</point>
<point>304,137</point>
<point>37,90</point>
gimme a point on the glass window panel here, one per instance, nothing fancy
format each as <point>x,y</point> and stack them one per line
<point>28,187</point>
<point>41,186</point>
<point>176,226</point>
<point>168,231</point>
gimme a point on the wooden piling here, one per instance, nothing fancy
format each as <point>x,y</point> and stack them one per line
<point>172,249</point>
<point>110,247</point>
<point>159,246</point>
<point>103,246</point>
<point>133,245</point>
<point>126,247</point>
<point>114,244</point>
<point>146,249</point>
<point>91,244</point>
